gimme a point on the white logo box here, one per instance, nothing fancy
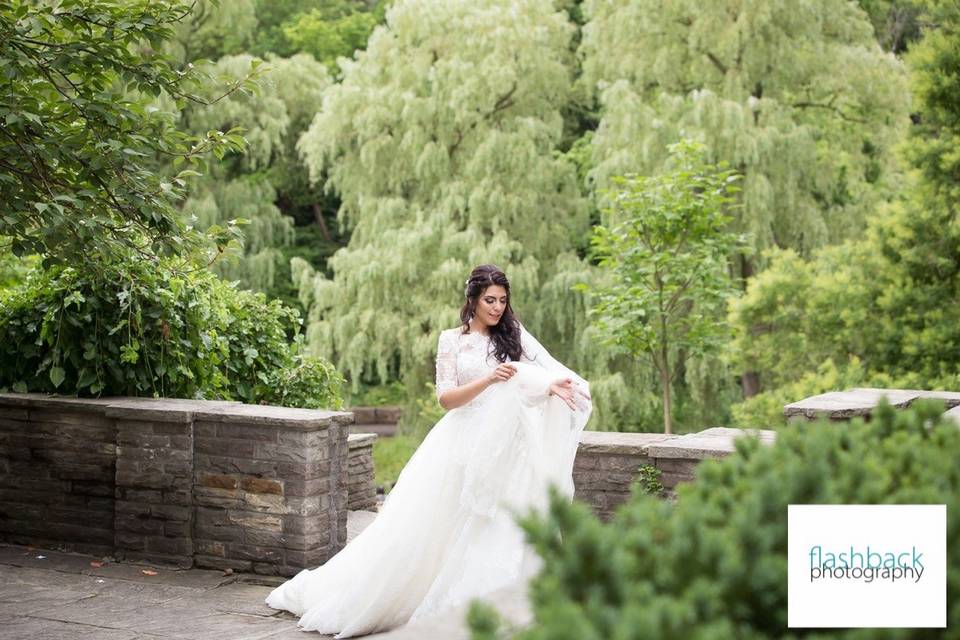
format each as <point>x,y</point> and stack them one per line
<point>898,536</point>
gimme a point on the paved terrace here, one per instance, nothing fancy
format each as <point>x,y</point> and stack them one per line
<point>62,596</point>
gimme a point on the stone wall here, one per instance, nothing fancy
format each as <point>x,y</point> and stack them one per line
<point>361,490</point>
<point>608,463</point>
<point>212,484</point>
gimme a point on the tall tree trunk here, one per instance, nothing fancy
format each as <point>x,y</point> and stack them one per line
<point>667,418</point>
<point>318,216</point>
<point>749,380</point>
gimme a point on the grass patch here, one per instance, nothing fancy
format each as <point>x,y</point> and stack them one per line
<point>390,455</point>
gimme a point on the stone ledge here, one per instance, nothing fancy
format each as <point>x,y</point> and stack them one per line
<point>42,400</point>
<point>358,440</point>
<point>716,442</point>
<point>616,442</point>
<point>275,416</point>
<point>844,405</point>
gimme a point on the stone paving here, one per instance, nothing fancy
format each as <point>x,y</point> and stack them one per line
<point>52,595</point>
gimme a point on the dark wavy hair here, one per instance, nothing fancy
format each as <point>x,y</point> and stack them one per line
<point>505,335</point>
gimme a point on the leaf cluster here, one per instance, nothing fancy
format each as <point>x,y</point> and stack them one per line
<point>77,141</point>
<point>134,329</point>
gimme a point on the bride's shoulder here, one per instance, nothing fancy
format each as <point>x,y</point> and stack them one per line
<point>450,334</point>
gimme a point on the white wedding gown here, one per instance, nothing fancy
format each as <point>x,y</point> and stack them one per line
<point>446,532</point>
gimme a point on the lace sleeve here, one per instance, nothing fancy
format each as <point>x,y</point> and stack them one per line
<point>446,362</point>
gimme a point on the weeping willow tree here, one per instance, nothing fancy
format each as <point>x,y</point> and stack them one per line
<point>249,185</point>
<point>797,96</point>
<point>441,142</point>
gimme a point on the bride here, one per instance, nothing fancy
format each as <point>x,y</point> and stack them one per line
<point>446,532</point>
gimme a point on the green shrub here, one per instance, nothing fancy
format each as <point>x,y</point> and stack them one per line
<point>170,329</point>
<point>713,565</point>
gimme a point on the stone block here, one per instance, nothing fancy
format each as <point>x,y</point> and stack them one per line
<point>174,529</point>
<point>213,562</point>
<point>261,485</point>
<point>266,568</point>
<point>240,466</point>
<point>170,546</point>
<point>218,481</point>
<point>258,433</point>
<point>128,540</point>
<point>305,470</point>
<point>229,447</point>
<point>306,559</point>
<point>210,548</point>
<point>213,497</point>
<point>137,524</point>
<point>171,512</point>
<point>89,488</point>
<point>256,520</point>
<point>243,551</point>
<point>223,533</point>
<point>301,488</point>
<point>258,537</point>
<point>299,438</point>
<point>286,453</point>
<point>305,526</point>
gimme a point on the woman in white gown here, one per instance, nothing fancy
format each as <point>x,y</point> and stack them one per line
<point>446,532</point>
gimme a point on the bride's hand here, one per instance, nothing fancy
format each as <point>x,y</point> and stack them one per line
<point>502,373</point>
<point>565,390</point>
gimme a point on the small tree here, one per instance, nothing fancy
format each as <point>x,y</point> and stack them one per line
<point>665,253</point>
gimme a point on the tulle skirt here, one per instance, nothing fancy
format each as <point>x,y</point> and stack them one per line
<point>446,533</point>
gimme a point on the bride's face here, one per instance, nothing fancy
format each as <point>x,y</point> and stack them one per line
<point>491,304</point>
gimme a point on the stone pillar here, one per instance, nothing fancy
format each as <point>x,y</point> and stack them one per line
<point>362,492</point>
<point>154,479</point>
<point>270,488</point>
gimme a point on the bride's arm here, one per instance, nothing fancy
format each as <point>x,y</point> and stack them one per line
<point>449,394</point>
<point>459,396</point>
<point>569,386</point>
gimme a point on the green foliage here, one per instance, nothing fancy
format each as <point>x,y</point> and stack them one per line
<point>714,564</point>
<point>75,154</point>
<point>666,256</point>
<point>390,456</point>
<point>797,96</point>
<point>141,329</point>
<point>336,29</point>
<point>327,29</point>
<point>440,142</point>
<point>935,63</point>
<point>483,621</point>
<point>895,22</point>
<point>648,480</point>
<point>890,298</point>
<point>13,270</point>
<point>214,28</point>
<point>252,185</point>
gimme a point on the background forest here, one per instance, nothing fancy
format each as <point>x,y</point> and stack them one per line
<point>279,201</point>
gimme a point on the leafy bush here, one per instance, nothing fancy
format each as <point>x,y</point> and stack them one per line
<point>714,564</point>
<point>156,328</point>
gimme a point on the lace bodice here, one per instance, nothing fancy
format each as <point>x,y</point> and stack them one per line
<point>463,358</point>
